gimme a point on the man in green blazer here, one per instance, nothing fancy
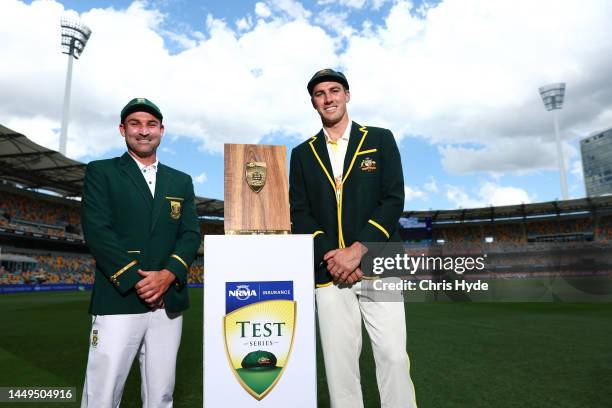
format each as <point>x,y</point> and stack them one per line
<point>346,188</point>
<point>140,224</point>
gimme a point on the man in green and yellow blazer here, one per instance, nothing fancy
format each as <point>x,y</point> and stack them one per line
<point>140,224</point>
<point>346,188</point>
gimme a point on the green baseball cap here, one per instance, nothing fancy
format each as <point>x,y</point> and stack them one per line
<point>140,105</point>
<point>324,75</point>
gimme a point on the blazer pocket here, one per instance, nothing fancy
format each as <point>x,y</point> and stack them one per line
<point>174,208</point>
<point>367,151</point>
<point>367,164</point>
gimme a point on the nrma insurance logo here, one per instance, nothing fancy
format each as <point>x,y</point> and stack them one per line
<point>242,292</point>
<point>258,328</point>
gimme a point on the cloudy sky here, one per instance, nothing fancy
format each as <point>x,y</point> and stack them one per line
<point>456,81</point>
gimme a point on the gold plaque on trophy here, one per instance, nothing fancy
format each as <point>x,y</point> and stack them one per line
<point>256,190</point>
<point>256,175</point>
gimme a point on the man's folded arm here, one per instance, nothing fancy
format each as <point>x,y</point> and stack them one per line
<point>96,214</point>
<point>188,239</point>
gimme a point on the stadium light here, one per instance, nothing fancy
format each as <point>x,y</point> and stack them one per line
<point>74,38</point>
<point>552,96</point>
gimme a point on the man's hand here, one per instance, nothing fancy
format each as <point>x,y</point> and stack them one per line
<point>343,262</point>
<point>154,285</point>
<point>354,277</point>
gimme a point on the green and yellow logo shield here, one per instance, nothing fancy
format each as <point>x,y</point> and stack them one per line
<point>258,342</point>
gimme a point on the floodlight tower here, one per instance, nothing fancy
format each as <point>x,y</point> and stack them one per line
<point>552,96</point>
<point>74,38</point>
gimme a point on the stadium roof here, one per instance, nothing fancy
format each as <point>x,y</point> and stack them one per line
<point>209,207</point>
<point>566,207</point>
<point>35,167</point>
<point>18,258</point>
<point>27,163</point>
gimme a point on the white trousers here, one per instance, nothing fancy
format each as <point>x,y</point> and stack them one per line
<point>114,342</point>
<point>339,311</point>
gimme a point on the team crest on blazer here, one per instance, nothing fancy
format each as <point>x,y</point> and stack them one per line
<point>256,173</point>
<point>258,330</point>
<point>367,165</point>
<point>175,209</point>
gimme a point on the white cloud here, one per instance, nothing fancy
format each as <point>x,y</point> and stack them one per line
<point>576,169</point>
<point>262,10</point>
<point>182,40</point>
<point>109,72</point>
<point>488,194</point>
<point>496,195</point>
<point>357,4</point>
<point>290,8</point>
<point>460,198</point>
<point>462,76</point>
<point>520,156</point>
<point>576,183</point>
<point>244,23</point>
<point>431,185</point>
<point>414,193</point>
<point>336,22</point>
<point>466,74</point>
<point>227,88</point>
<point>377,4</point>
<point>201,178</point>
<point>41,128</point>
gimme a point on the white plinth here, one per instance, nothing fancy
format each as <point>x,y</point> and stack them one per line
<point>261,263</point>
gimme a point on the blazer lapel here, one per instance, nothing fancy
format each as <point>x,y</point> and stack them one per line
<point>162,180</point>
<point>358,135</point>
<point>318,144</point>
<point>129,167</point>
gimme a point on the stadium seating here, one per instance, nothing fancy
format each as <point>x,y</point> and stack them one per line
<point>519,247</point>
<point>67,269</point>
<point>603,232</point>
<point>38,216</point>
<point>519,233</point>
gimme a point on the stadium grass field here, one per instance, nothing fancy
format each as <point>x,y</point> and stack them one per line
<point>462,354</point>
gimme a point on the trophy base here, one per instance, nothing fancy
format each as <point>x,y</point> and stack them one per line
<point>257,232</point>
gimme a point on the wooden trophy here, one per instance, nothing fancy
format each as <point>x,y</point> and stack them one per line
<point>256,190</point>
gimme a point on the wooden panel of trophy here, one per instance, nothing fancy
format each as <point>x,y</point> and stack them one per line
<point>256,189</point>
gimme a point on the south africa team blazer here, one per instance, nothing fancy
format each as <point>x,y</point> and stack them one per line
<point>126,229</point>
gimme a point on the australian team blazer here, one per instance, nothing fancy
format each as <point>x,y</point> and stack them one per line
<point>127,229</point>
<point>365,208</point>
